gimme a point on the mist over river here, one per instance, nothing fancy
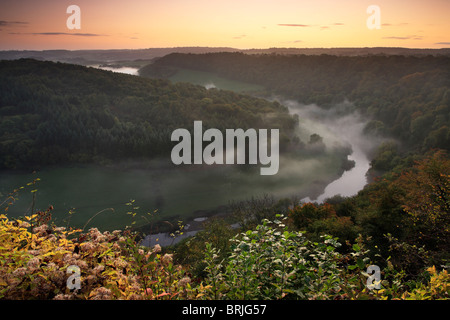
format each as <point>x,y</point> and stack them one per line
<point>126,70</point>
<point>193,191</point>
<point>337,125</point>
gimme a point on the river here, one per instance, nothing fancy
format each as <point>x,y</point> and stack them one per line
<point>346,127</point>
<point>332,124</point>
<point>336,126</point>
<point>185,193</point>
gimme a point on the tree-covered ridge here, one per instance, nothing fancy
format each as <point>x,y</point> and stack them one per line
<point>57,113</point>
<point>406,97</point>
<point>400,222</point>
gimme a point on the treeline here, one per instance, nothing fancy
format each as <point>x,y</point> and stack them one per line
<point>406,97</point>
<point>54,113</point>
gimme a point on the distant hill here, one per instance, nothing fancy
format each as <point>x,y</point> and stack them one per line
<point>352,51</point>
<point>91,57</point>
<point>405,97</point>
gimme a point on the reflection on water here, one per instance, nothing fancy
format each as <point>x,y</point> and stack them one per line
<point>351,181</point>
<point>346,128</point>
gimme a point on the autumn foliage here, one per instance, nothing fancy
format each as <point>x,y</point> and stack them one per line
<point>34,262</point>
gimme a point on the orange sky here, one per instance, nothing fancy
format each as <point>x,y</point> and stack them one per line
<point>119,24</point>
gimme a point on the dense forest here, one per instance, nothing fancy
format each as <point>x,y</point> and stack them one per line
<point>55,113</point>
<point>282,249</point>
<point>406,97</point>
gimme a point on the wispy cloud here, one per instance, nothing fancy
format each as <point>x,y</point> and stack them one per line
<point>294,41</point>
<point>293,25</point>
<point>309,25</point>
<point>68,34</point>
<point>240,37</point>
<point>413,37</point>
<point>397,38</point>
<point>446,43</point>
<point>328,27</point>
<point>5,23</point>
<point>401,24</point>
<point>76,34</point>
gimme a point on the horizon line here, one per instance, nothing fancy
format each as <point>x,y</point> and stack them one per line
<point>226,47</point>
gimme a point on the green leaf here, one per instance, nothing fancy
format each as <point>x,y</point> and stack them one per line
<point>360,264</point>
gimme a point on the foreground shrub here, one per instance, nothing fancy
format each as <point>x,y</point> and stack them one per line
<point>272,262</point>
<point>438,287</point>
<point>38,261</point>
<point>35,258</point>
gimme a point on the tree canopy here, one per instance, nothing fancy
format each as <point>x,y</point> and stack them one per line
<point>58,113</point>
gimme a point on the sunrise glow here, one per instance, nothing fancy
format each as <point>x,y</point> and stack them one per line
<point>113,24</point>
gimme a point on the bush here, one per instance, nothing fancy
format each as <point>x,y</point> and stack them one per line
<point>36,256</point>
<point>271,262</point>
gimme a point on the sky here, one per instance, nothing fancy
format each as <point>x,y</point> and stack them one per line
<point>242,24</point>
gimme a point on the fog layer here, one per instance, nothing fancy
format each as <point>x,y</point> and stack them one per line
<point>337,126</point>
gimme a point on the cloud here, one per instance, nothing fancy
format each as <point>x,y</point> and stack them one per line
<point>5,23</point>
<point>446,43</point>
<point>240,37</point>
<point>294,41</point>
<point>401,24</point>
<point>338,24</point>
<point>68,34</point>
<point>293,25</point>
<point>397,38</point>
<point>413,37</point>
<point>76,34</point>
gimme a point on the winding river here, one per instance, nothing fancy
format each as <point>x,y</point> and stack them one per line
<point>163,191</point>
<point>336,127</point>
<point>336,123</point>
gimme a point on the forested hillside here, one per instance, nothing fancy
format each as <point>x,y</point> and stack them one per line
<point>406,97</point>
<point>278,248</point>
<point>402,216</point>
<point>54,113</point>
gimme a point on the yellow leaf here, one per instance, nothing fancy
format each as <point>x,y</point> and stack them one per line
<point>432,270</point>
